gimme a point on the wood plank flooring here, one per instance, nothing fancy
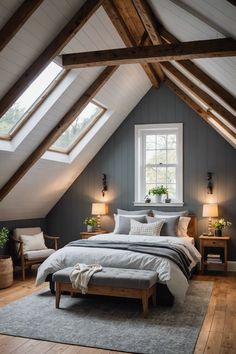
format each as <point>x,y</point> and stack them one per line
<point>217,336</point>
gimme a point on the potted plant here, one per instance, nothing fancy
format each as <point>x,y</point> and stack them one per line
<point>91,223</point>
<point>157,193</point>
<point>6,268</point>
<point>219,225</point>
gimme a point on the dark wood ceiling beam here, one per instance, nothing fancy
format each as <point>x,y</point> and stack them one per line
<point>206,115</point>
<point>127,37</point>
<point>156,53</point>
<point>55,133</point>
<point>53,49</point>
<point>201,95</point>
<point>14,24</point>
<point>199,74</point>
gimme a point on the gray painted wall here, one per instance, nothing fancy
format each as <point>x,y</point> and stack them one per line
<point>204,150</point>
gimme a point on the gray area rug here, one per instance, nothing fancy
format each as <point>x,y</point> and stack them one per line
<point>110,323</point>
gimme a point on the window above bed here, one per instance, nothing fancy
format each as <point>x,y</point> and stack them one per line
<point>159,161</point>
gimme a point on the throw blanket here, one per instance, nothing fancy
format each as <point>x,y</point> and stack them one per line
<point>172,252</point>
<point>81,275</point>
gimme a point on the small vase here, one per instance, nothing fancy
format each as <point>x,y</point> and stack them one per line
<point>157,199</point>
<point>218,232</point>
<point>89,228</point>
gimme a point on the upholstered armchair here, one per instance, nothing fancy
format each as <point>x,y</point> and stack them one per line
<point>30,247</point>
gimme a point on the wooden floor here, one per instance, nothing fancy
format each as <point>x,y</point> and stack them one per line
<point>217,336</point>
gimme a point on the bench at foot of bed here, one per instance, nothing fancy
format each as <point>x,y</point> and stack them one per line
<point>119,282</point>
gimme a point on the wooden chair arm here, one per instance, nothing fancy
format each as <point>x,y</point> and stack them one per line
<point>51,237</point>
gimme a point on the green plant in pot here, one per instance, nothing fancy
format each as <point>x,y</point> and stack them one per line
<point>91,223</point>
<point>157,193</point>
<point>6,267</point>
<point>219,225</point>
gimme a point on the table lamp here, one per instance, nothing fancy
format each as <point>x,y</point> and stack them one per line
<point>99,209</point>
<point>210,211</point>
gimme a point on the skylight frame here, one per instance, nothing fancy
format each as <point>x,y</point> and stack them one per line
<point>35,106</point>
<point>67,151</point>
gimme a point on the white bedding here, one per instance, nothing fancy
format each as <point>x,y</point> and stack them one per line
<point>168,272</point>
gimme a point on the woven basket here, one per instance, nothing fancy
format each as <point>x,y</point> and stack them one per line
<point>6,272</point>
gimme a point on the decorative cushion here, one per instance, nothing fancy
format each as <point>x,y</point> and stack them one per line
<point>41,254</point>
<point>133,212</point>
<point>182,229</point>
<point>170,224</point>
<point>170,213</point>
<point>151,229</point>
<point>122,222</point>
<point>33,242</point>
<point>115,277</point>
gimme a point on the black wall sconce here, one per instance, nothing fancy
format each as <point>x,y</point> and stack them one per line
<point>104,184</point>
<point>209,184</point>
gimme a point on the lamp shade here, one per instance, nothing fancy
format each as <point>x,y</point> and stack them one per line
<point>210,210</point>
<point>99,208</point>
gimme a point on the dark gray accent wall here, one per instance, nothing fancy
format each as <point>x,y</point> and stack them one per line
<point>204,151</point>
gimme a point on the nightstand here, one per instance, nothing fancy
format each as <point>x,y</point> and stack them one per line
<point>214,253</point>
<point>85,234</point>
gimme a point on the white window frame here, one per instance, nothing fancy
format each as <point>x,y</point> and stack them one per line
<point>141,131</point>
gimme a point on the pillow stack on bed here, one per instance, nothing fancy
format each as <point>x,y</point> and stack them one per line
<point>139,222</point>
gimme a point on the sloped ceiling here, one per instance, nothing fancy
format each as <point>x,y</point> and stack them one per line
<point>46,182</point>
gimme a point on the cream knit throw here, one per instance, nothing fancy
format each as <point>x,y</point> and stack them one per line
<point>81,275</point>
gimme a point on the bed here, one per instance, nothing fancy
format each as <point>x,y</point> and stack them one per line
<point>169,273</point>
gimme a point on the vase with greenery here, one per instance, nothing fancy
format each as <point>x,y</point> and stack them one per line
<point>157,193</point>
<point>91,223</point>
<point>219,225</point>
<point>6,267</point>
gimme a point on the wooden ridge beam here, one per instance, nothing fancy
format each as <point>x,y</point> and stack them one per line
<point>206,115</point>
<point>200,94</point>
<point>156,53</point>
<point>55,133</point>
<point>17,20</point>
<point>127,37</point>
<point>199,74</point>
<point>52,50</point>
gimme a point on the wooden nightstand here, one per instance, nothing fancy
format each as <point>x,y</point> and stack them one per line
<point>214,252</point>
<point>85,234</point>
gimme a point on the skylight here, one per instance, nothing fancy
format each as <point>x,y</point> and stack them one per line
<point>80,126</point>
<point>26,102</point>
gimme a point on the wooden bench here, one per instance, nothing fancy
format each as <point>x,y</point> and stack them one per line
<point>130,283</point>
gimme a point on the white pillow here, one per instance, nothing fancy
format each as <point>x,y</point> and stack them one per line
<point>152,229</point>
<point>33,243</point>
<point>182,229</point>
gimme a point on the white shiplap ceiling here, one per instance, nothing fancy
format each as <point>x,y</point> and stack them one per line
<point>45,183</point>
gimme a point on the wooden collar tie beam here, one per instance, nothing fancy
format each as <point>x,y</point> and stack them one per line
<point>225,47</point>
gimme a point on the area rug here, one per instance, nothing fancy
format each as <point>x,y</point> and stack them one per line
<point>110,323</point>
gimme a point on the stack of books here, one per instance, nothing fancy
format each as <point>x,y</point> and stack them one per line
<point>214,258</point>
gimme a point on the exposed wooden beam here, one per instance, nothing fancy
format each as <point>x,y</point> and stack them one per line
<point>148,20</point>
<point>24,11</point>
<point>53,49</point>
<point>127,37</point>
<point>200,94</point>
<point>206,115</point>
<point>181,51</point>
<point>198,73</point>
<point>64,123</point>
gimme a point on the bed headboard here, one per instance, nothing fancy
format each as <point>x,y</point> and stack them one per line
<point>192,227</point>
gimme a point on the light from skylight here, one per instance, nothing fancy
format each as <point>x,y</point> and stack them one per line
<point>28,98</point>
<point>78,128</point>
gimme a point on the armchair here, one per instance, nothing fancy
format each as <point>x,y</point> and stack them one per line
<point>27,256</point>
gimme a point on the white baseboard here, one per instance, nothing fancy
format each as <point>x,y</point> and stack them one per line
<point>232,266</point>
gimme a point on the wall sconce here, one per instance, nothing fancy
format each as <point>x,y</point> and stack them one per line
<point>209,184</point>
<point>104,184</point>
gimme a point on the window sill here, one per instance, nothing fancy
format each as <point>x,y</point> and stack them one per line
<point>158,204</point>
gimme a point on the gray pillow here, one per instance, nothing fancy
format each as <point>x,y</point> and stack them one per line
<point>133,212</point>
<point>170,213</point>
<point>170,224</point>
<point>122,223</point>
